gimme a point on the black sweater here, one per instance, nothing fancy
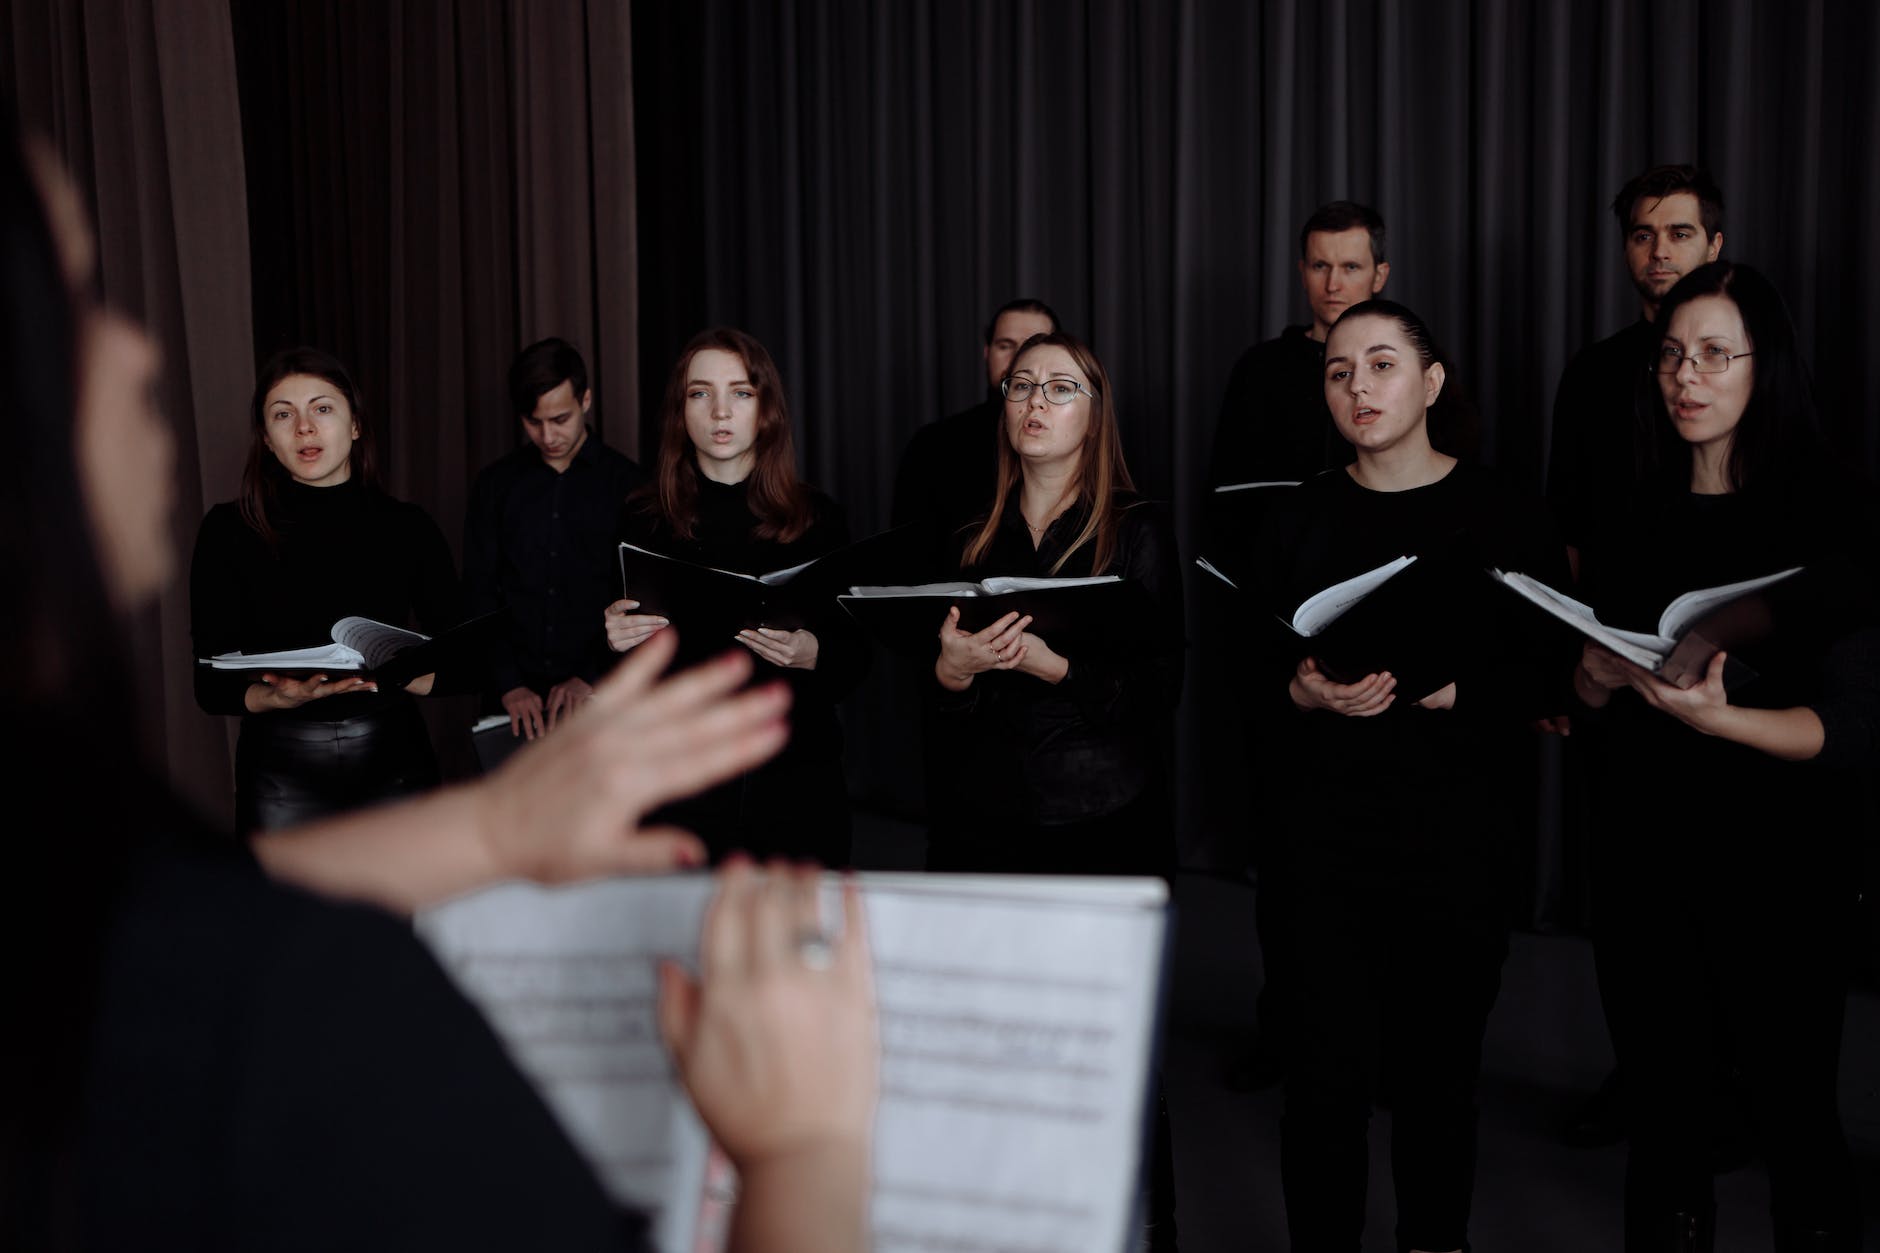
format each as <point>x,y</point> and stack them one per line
<point>269,1070</point>
<point>1085,747</point>
<point>342,551</point>
<point>1507,661</point>
<point>776,808</point>
<point>1823,653</point>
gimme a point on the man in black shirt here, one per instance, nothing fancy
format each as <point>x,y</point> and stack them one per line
<point>540,541</point>
<point>1273,423</point>
<point>945,479</point>
<point>1671,222</point>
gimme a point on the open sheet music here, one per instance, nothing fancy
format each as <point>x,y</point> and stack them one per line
<point>1693,628</point>
<point>1017,1026</point>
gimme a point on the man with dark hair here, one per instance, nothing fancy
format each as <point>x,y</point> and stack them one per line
<point>1273,423</point>
<point>539,540</point>
<point>946,474</point>
<point>1670,222</point>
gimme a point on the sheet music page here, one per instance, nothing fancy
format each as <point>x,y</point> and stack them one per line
<point>377,642</point>
<point>1017,1026</point>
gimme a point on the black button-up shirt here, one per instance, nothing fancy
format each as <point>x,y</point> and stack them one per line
<point>542,543</point>
<point>1052,754</point>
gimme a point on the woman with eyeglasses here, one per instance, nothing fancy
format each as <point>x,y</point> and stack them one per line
<point>1056,755</point>
<point>313,539</point>
<point>1732,810</point>
<point>1399,832</point>
<point>726,494</point>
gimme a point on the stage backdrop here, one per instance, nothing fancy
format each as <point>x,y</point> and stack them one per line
<point>861,184</point>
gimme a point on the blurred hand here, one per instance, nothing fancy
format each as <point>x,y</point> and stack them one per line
<point>780,1055</point>
<point>573,811</point>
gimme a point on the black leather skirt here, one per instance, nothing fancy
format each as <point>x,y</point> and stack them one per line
<point>289,771</point>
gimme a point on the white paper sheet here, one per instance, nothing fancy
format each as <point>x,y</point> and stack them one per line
<point>1017,1021</point>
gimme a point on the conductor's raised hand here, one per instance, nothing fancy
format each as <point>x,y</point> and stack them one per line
<point>280,691</point>
<point>1369,696</point>
<point>570,807</point>
<point>776,1040</point>
<point>626,629</point>
<point>792,650</point>
<point>1000,646</point>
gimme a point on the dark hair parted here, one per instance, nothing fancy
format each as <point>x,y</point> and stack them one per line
<point>1024,304</point>
<point>1102,475</point>
<point>541,368</point>
<point>1451,421</point>
<point>1668,180</point>
<point>1779,435</point>
<point>774,493</point>
<point>263,475</point>
<point>1344,215</point>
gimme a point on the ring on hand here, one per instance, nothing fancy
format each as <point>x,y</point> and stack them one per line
<point>814,950</point>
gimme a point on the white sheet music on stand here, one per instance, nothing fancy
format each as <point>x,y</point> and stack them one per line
<point>1017,1022</point>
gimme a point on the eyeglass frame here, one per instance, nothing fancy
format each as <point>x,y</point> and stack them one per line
<point>1006,383</point>
<point>1657,366</point>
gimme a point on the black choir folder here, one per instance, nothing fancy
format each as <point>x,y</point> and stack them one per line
<point>1100,611</point>
<point>392,655</point>
<point>1389,618</point>
<point>1018,1021</point>
<point>1694,627</point>
<point>705,598</point>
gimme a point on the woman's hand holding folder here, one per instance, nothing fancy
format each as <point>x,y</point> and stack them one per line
<point>1001,646</point>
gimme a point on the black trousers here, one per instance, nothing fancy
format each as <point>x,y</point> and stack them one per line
<point>1134,840</point>
<point>1401,936</point>
<point>289,771</point>
<point>1763,936</point>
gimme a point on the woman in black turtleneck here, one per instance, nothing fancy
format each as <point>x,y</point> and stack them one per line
<point>726,495</point>
<point>312,540</point>
<point>1396,831</point>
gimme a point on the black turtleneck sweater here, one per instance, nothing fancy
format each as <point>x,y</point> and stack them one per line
<point>796,804</point>
<point>1508,661</point>
<point>340,551</point>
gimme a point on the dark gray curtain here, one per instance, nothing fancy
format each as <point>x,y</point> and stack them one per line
<point>861,184</point>
<point>432,186</point>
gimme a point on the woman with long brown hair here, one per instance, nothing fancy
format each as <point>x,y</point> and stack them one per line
<point>725,494</point>
<point>1058,755</point>
<point>313,539</point>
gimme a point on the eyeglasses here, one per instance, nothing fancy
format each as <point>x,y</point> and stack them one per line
<point>1057,391</point>
<point>1704,361</point>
